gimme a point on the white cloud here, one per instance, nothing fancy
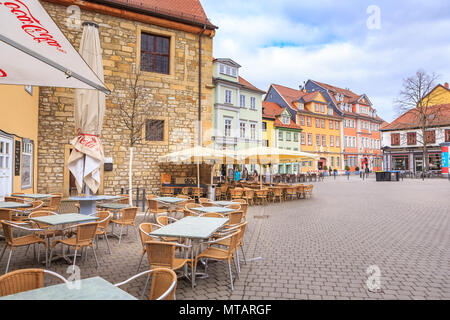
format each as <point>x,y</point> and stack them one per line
<point>292,41</point>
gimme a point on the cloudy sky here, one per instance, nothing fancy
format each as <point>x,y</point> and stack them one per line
<point>289,41</point>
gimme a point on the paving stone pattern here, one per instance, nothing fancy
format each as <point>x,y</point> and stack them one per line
<point>318,248</point>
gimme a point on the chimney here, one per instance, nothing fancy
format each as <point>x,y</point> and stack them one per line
<point>446,85</point>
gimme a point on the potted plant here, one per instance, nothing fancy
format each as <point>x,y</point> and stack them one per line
<point>325,170</point>
<point>357,170</point>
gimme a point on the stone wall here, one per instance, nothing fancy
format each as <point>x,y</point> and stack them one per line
<point>173,97</point>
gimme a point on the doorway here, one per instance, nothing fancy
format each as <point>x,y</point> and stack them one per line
<point>6,166</point>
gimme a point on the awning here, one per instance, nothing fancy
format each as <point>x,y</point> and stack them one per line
<point>269,155</point>
<point>197,155</point>
<point>34,51</point>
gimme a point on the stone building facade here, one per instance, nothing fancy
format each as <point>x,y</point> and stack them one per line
<point>172,98</point>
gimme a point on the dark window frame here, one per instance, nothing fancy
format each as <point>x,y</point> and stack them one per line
<point>152,133</point>
<point>430,136</point>
<point>447,135</point>
<point>411,138</point>
<point>155,54</point>
<point>395,139</point>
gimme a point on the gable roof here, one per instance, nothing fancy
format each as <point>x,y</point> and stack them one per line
<point>188,11</point>
<point>249,86</point>
<point>271,110</point>
<point>410,119</point>
<point>289,95</point>
<point>227,61</point>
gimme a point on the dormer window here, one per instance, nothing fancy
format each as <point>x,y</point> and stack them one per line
<point>301,106</point>
<point>285,119</point>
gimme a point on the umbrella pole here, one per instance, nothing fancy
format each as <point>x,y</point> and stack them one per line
<point>198,175</point>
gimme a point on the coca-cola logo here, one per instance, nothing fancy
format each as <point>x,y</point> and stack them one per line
<point>31,25</point>
<point>89,141</point>
<point>2,74</point>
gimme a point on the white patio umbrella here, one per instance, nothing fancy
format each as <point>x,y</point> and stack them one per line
<point>34,51</point>
<point>270,155</point>
<point>198,155</point>
<point>87,157</point>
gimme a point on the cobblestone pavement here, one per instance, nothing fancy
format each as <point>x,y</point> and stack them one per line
<point>318,248</point>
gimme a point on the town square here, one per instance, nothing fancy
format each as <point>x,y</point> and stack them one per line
<point>148,152</point>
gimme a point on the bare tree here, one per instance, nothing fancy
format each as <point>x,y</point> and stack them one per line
<point>132,114</point>
<point>416,99</point>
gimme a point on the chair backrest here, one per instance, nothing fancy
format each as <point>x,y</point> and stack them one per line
<point>162,220</point>
<point>24,279</point>
<point>208,204</point>
<point>167,190</point>
<point>14,199</point>
<point>55,201</point>
<point>183,196</point>
<point>203,200</point>
<point>191,205</point>
<point>244,208</point>
<point>144,228</point>
<point>212,215</point>
<point>86,231</point>
<point>249,193</point>
<point>277,191</point>
<point>235,217</point>
<point>242,232</point>
<point>162,280</point>
<point>224,188</point>
<point>233,243</point>
<point>6,214</point>
<point>188,213</point>
<point>234,206</point>
<point>151,196</point>
<point>129,214</point>
<point>197,191</point>
<point>160,254</point>
<point>152,204</point>
<point>36,205</point>
<point>104,217</point>
<point>185,190</point>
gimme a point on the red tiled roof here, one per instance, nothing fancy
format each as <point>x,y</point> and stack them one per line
<point>410,119</point>
<point>187,10</point>
<point>289,94</point>
<point>384,125</point>
<point>247,84</point>
<point>271,109</point>
<point>308,97</point>
<point>292,125</point>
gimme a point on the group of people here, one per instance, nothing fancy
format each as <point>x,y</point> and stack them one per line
<point>243,175</point>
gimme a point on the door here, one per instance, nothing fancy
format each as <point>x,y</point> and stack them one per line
<point>6,166</point>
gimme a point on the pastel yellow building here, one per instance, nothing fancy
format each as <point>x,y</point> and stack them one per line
<point>439,95</point>
<point>18,139</point>
<point>321,131</point>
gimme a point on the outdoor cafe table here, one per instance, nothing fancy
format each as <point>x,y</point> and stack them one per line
<point>13,205</point>
<point>213,210</point>
<point>88,205</point>
<point>224,203</point>
<point>171,202</point>
<point>196,229</point>
<point>95,288</point>
<point>60,220</point>
<point>116,207</point>
<point>34,196</point>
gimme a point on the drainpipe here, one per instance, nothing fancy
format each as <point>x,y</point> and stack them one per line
<point>200,86</point>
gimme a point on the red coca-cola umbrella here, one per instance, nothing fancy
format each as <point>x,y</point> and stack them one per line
<point>34,51</point>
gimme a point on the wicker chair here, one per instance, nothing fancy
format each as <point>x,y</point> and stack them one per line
<point>300,191</point>
<point>83,238</point>
<point>218,194</point>
<point>220,254</point>
<point>164,221</point>
<point>125,199</point>
<point>128,218</point>
<point>241,228</point>
<point>235,218</point>
<point>308,190</point>
<point>203,200</point>
<point>261,196</point>
<point>185,191</point>
<point>54,204</point>
<point>197,193</point>
<point>291,193</point>
<point>249,195</point>
<point>167,191</point>
<point>26,240</point>
<point>164,283</point>
<point>277,193</point>
<point>36,205</point>
<point>208,204</point>
<point>25,280</point>
<point>162,255</point>
<point>153,208</point>
<point>236,193</point>
<point>14,199</point>
<point>235,206</point>
<point>223,191</point>
<point>144,233</point>
<point>104,218</point>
